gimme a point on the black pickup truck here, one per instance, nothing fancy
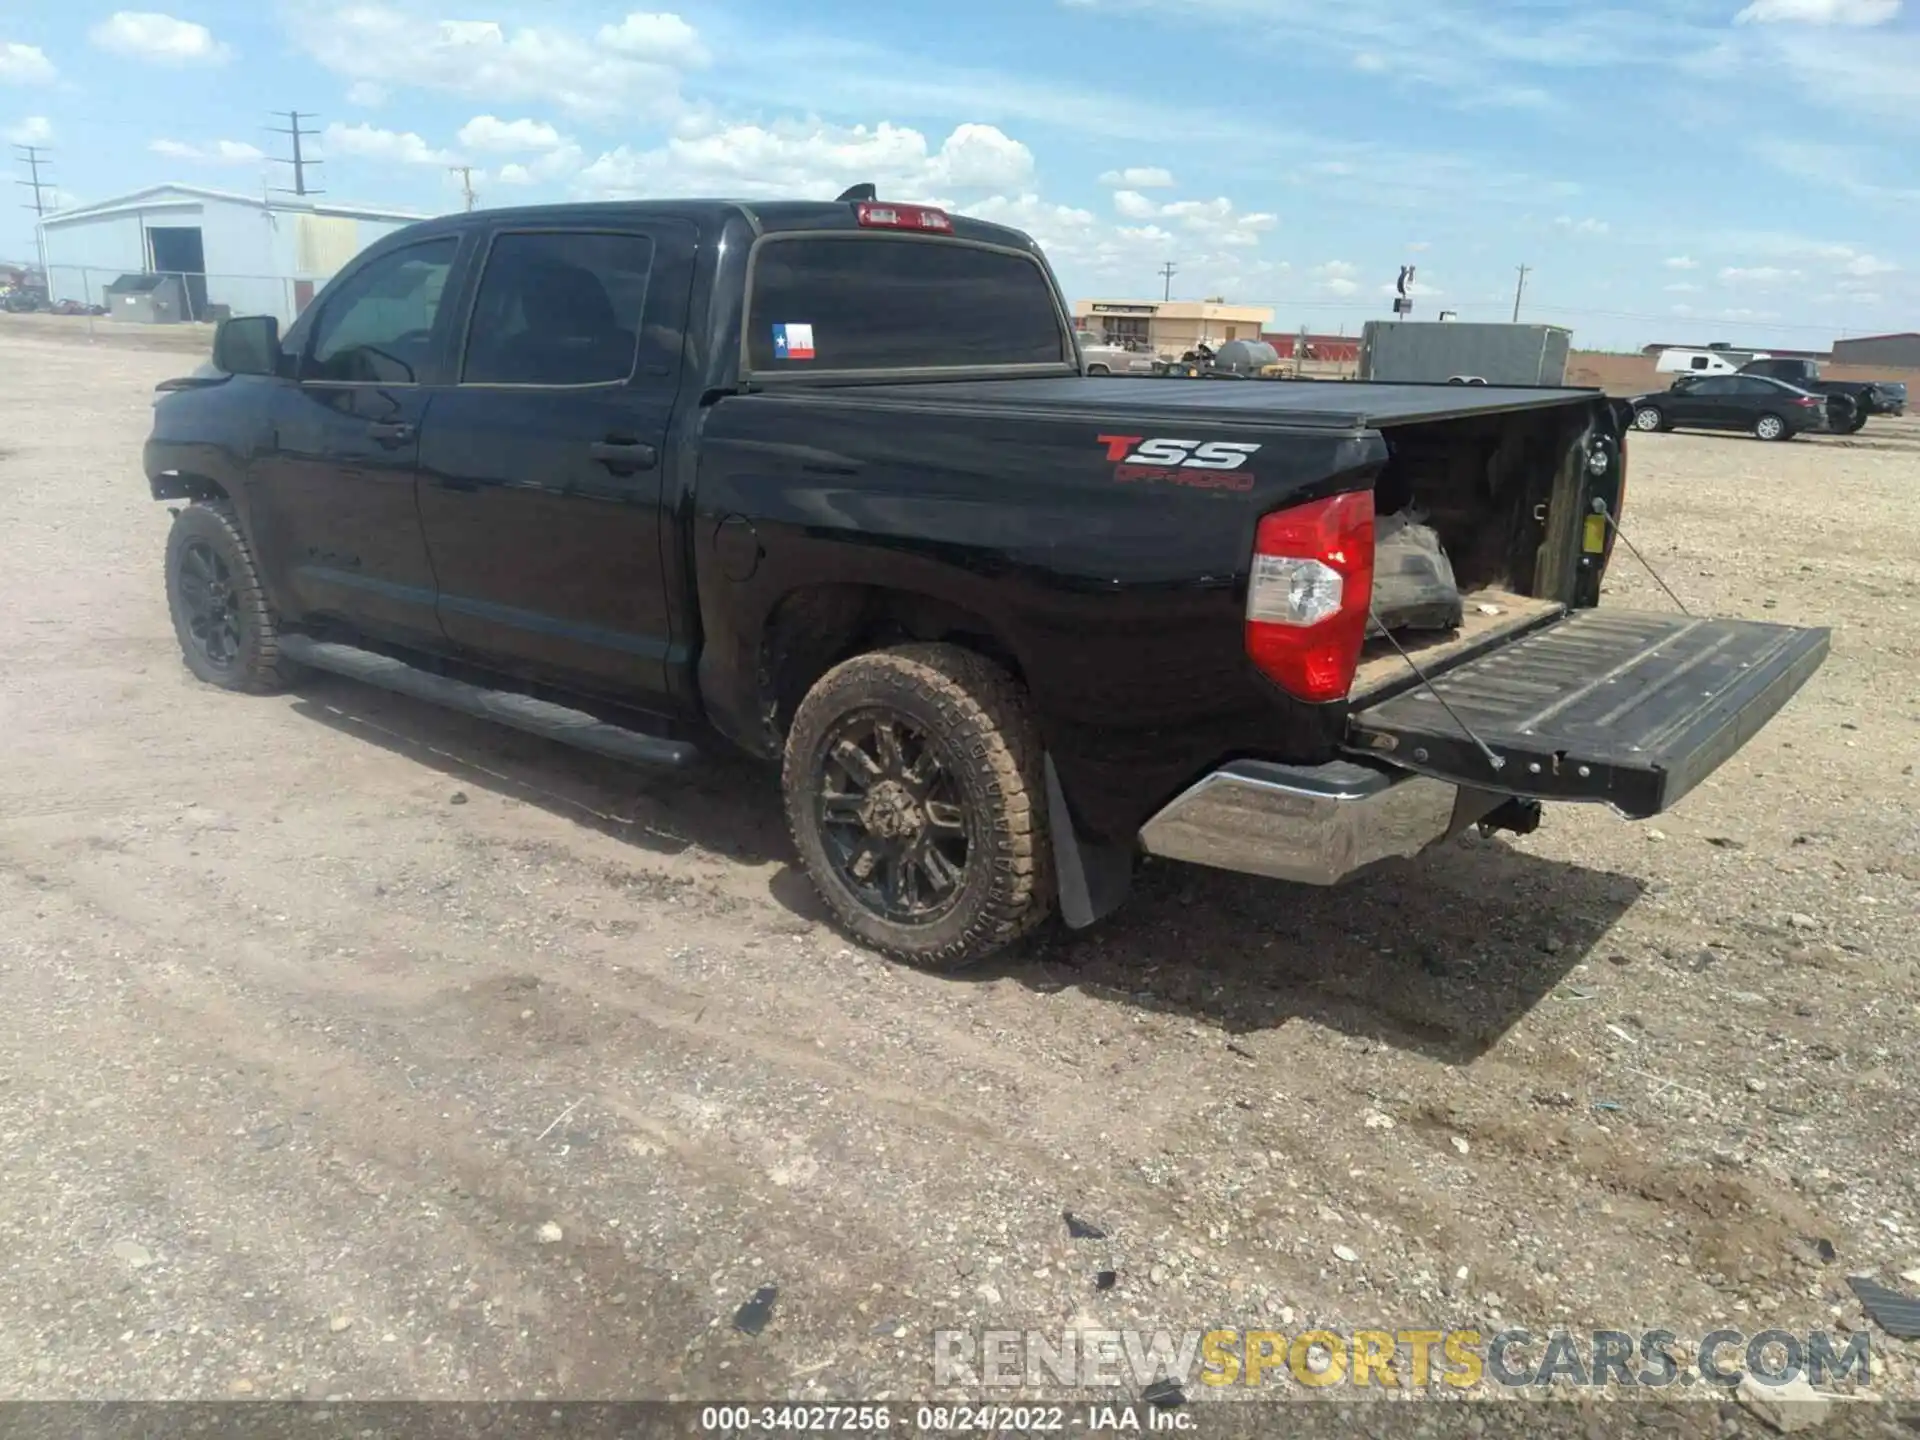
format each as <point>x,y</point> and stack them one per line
<point>823,482</point>
<point>1869,397</point>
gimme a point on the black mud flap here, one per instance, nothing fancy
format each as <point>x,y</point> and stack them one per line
<point>1611,705</point>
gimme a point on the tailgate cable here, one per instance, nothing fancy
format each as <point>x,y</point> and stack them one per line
<point>1600,509</point>
<point>1493,760</point>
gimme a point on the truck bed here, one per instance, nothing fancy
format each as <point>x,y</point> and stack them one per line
<point>1384,670</point>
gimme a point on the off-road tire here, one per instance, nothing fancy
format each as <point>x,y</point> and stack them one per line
<point>979,715</point>
<point>1856,425</point>
<point>257,666</point>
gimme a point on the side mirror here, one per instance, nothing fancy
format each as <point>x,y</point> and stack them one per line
<point>248,345</point>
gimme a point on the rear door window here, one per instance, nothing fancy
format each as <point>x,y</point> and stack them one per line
<point>558,308</point>
<point>875,302</point>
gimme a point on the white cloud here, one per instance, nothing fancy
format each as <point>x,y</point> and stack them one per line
<point>1845,260</point>
<point>1588,226</point>
<point>369,142</point>
<point>159,39</point>
<point>625,69</point>
<point>659,39</point>
<point>34,130</point>
<point>1061,229</point>
<point>1216,217</point>
<point>513,174</point>
<point>980,157</point>
<point>1762,275</point>
<point>1337,277</point>
<point>366,94</point>
<point>793,158</point>
<point>1683,287</point>
<point>24,64</point>
<point>1139,177</point>
<point>1819,12</point>
<point>1418,289</point>
<point>508,137</point>
<point>220,152</point>
<point>1682,262</point>
<point>1419,245</point>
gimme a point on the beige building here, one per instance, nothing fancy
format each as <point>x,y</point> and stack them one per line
<point>1169,327</point>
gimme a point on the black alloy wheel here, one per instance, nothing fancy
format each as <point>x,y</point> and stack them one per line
<point>915,791</point>
<point>892,817</point>
<point>226,628</point>
<point>211,610</point>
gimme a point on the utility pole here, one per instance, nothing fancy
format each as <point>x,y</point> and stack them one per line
<point>299,162</point>
<point>1167,272</point>
<point>465,172</point>
<point>33,157</point>
<point>1518,291</point>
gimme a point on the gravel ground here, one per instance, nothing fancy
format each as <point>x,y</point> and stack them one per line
<point>354,1049</point>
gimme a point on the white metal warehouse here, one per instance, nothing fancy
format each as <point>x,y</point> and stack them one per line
<point>253,255</point>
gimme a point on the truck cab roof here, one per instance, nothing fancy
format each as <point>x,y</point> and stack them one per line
<point>760,217</point>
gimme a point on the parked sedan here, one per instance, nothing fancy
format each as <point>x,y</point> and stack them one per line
<point>1767,409</point>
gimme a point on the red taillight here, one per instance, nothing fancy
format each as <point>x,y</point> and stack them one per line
<point>877,216</point>
<point>1309,593</point>
<point>1810,401</point>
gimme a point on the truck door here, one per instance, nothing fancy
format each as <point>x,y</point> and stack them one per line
<point>333,493</point>
<point>542,467</point>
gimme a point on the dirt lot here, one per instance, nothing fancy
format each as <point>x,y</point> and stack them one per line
<point>352,1048</point>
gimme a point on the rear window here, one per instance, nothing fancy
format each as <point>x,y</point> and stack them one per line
<point>884,303</point>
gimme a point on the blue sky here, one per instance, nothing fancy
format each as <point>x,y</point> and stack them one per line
<point>1670,169</point>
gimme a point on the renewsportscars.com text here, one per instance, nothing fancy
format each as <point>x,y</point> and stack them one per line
<point>1413,1359</point>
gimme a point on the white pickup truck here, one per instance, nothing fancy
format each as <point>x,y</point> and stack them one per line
<point>1104,359</point>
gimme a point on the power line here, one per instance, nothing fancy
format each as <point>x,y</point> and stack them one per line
<point>1518,291</point>
<point>465,172</point>
<point>299,162</point>
<point>1167,272</point>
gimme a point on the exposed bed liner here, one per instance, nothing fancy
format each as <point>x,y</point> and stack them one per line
<point>1384,672</point>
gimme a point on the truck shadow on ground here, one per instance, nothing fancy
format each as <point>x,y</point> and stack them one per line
<point>724,805</point>
<point>1441,955</point>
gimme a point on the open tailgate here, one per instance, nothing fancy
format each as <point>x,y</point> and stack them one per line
<point>1620,706</point>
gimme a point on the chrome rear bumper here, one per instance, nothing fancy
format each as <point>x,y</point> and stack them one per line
<point>1314,825</point>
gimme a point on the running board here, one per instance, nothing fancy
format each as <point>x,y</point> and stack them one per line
<point>521,712</point>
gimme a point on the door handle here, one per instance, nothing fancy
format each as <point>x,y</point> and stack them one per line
<point>391,432</point>
<point>623,457</point>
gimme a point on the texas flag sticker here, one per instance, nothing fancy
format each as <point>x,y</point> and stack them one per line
<point>793,342</point>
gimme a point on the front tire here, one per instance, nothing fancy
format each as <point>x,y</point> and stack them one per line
<point>1856,425</point>
<point>1648,418</point>
<point>1770,427</point>
<point>220,613</point>
<point>915,797</point>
